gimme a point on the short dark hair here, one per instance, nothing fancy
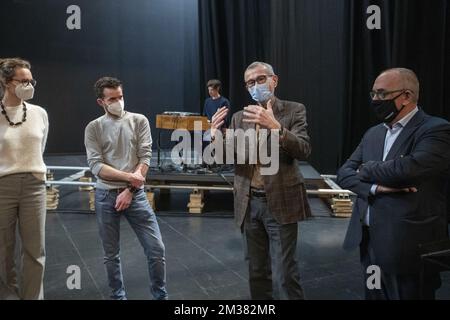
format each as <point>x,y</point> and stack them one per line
<point>8,69</point>
<point>215,84</point>
<point>105,82</point>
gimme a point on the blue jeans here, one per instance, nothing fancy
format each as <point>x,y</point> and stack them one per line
<point>142,219</point>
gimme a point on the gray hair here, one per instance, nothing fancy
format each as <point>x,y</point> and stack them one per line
<point>256,64</point>
<point>408,79</point>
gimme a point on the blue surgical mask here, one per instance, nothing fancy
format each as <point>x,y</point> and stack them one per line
<point>261,92</point>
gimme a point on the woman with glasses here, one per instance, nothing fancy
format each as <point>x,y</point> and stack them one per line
<point>23,134</point>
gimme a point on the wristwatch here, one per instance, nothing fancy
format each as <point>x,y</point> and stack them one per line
<point>132,189</point>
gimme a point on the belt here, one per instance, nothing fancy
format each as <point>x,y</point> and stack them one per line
<point>258,193</point>
<point>118,191</point>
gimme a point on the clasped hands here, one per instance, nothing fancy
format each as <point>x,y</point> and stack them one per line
<point>381,189</point>
<point>384,189</point>
<point>124,199</point>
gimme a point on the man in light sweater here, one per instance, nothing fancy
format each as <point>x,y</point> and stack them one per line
<point>118,147</point>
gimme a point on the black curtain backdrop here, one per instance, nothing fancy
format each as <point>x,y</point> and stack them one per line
<point>232,33</point>
<point>327,58</point>
<point>151,45</point>
<point>165,51</point>
<point>415,34</point>
<point>302,39</point>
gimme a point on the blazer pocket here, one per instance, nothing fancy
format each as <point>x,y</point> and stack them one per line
<point>420,220</point>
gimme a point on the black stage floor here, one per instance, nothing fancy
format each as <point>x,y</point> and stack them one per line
<point>205,259</point>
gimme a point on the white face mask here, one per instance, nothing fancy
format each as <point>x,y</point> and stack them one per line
<point>24,92</point>
<point>116,108</point>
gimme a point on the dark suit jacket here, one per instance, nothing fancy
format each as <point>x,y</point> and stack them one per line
<point>286,192</point>
<point>399,222</point>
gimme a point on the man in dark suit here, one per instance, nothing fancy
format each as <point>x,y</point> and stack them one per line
<point>398,172</point>
<point>269,206</point>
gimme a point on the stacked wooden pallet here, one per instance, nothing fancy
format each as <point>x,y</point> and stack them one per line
<point>341,206</point>
<point>196,203</point>
<point>52,194</point>
<point>151,199</point>
<point>92,200</point>
<point>52,198</point>
<point>86,188</point>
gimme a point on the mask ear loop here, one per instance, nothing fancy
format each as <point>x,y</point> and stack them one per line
<point>409,94</point>
<point>403,105</point>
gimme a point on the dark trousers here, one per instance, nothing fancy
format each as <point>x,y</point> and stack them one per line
<point>271,246</point>
<point>395,286</point>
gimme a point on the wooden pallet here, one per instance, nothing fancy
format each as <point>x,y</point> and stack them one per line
<point>341,206</point>
<point>151,199</point>
<point>85,188</point>
<point>52,198</point>
<point>196,203</point>
<point>92,200</point>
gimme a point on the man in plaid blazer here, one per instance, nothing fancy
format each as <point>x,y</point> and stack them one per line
<point>268,207</point>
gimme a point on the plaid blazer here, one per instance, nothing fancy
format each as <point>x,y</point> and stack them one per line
<point>286,192</point>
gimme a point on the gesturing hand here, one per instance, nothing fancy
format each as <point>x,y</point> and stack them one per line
<point>218,119</point>
<point>264,117</point>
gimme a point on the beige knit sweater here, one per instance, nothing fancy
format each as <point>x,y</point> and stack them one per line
<point>22,147</point>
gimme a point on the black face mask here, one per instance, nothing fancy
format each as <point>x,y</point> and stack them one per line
<point>386,110</point>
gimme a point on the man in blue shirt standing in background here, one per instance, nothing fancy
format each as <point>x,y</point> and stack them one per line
<point>215,102</point>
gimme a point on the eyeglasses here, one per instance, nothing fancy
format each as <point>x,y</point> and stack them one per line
<point>27,82</point>
<point>260,80</point>
<point>383,94</point>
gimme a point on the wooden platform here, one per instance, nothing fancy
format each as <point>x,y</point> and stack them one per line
<point>172,122</point>
<point>311,176</point>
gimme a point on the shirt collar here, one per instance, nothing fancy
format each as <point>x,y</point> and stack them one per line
<point>404,121</point>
